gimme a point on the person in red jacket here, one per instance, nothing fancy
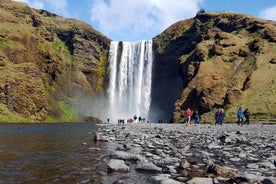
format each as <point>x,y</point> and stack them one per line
<point>188,114</point>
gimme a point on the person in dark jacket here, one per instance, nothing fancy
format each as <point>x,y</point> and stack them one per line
<point>196,116</point>
<point>247,116</point>
<point>217,117</point>
<point>221,116</point>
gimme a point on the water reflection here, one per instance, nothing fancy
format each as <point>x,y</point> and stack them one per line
<point>50,153</point>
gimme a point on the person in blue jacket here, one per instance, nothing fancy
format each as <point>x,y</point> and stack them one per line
<point>240,116</point>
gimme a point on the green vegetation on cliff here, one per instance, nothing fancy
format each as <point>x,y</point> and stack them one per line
<point>226,61</point>
<point>44,60</point>
<point>214,60</point>
<point>67,114</point>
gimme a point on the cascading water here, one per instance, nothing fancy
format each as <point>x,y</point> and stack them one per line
<point>130,71</point>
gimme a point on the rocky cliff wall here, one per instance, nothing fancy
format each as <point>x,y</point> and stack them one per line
<point>214,60</point>
<point>44,60</point>
<point>224,60</point>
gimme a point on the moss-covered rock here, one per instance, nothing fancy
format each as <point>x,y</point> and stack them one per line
<point>22,92</point>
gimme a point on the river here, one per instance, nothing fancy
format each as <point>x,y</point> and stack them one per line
<point>50,153</point>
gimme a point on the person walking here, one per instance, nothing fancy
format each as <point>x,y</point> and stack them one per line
<point>188,114</point>
<point>247,116</point>
<point>135,118</point>
<point>240,116</point>
<point>217,117</point>
<point>221,116</point>
<point>196,116</point>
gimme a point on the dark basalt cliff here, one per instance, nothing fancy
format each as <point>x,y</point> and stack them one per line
<point>216,60</point>
<point>44,60</point>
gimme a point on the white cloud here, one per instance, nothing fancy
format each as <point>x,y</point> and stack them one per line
<point>138,18</point>
<point>269,13</point>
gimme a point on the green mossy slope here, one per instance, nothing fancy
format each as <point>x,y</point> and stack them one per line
<point>226,60</point>
<point>44,60</point>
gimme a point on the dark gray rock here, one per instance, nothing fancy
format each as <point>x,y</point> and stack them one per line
<point>181,151</point>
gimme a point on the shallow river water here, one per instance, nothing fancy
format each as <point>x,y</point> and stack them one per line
<point>50,153</point>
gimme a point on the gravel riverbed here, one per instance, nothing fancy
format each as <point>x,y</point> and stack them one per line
<point>194,154</point>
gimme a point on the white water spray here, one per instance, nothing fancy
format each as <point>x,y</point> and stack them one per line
<point>130,71</point>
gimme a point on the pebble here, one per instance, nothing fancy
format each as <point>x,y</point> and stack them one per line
<point>175,153</point>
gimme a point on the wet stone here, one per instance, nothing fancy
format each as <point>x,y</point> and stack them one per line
<point>117,166</point>
<point>175,153</point>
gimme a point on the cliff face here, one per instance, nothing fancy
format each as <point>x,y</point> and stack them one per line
<point>215,60</point>
<point>44,59</point>
<point>224,60</point>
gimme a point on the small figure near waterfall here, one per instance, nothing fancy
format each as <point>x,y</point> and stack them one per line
<point>121,121</point>
<point>188,114</point>
<point>196,116</point>
<point>221,117</point>
<point>247,116</point>
<point>240,116</point>
<point>135,118</point>
<point>140,119</point>
<point>216,117</point>
<point>130,120</point>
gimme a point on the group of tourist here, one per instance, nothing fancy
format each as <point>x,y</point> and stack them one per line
<point>188,116</point>
<point>240,114</point>
<point>130,120</point>
<point>219,116</point>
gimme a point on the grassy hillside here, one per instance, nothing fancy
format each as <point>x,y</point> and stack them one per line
<point>214,60</point>
<point>44,60</point>
<point>226,60</point>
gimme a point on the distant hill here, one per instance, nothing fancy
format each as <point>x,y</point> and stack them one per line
<point>225,60</point>
<point>44,60</point>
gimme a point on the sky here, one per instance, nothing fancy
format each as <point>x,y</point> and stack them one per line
<point>133,20</point>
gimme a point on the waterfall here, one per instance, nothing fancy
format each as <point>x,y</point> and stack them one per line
<point>130,72</point>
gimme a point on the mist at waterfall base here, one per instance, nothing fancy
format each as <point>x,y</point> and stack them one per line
<point>129,89</point>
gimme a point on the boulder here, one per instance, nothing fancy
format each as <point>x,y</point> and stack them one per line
<point>147,166</point>
<point>199,180</point>
<point>100,137</point>
<point>117,166</point>
<point>124,156</point>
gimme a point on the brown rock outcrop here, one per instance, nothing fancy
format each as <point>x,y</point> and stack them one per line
<point>51,57</point>
<point>225,61</point>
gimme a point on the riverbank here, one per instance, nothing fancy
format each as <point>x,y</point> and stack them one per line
<point>175,153</point>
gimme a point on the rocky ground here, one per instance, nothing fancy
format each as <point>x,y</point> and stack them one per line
<point>175,153</point>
